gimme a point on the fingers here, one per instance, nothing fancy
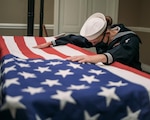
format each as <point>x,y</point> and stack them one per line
<point>44,45</point>
<point>80,59</point>
<point>73,58</point>
<point>87,58</point>
<point>38,46</point>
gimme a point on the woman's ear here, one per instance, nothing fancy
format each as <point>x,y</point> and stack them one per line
<point>107,31</point>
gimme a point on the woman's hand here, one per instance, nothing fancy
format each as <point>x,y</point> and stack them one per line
<point>44,45</point>
<point>89,58</point>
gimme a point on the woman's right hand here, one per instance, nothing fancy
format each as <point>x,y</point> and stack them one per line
<point>44,45</point>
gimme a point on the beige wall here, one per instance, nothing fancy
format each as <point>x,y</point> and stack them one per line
<point>15,11</point>
<point>135,13</point>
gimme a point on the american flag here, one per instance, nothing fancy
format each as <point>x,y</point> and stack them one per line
<point>41,85</point>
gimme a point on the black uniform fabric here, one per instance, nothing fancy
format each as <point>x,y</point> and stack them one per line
<point>124,49</point>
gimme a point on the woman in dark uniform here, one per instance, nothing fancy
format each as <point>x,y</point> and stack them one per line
<point>112,42</point>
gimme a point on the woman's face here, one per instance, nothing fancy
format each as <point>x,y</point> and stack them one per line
<point>98,39</point>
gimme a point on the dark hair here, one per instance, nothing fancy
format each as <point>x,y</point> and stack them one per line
<point>109,21</point>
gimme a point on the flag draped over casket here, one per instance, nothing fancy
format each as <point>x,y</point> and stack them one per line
<point>39,84</point>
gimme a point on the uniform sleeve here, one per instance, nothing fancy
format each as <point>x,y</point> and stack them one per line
<point>124,52</point>
<point>73,39</point>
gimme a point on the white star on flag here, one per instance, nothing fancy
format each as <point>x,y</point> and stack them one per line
<point>54,63</point>
<point>27,75</point>
<point>89,79</point>
<point>8,69</point>
<point>11,81</point>
<point>37,117</point>
<point>109,93</point>
<point>48,119</point>
<point>8,60</point>
<point>97,72</point>
<point>23,65</point>
<point>33,90</point>
<point>51,83</point>
<point>64,73</point>
<point>131,115</point>
<point>117,84</point>
<point>78,87</point>
<point>75,66</point>
<point>36,60</point>
<point>64,97</point>
<point>20,59</point>
<point>43,69</point>
<point>89,117</point>
<point>12,103</point>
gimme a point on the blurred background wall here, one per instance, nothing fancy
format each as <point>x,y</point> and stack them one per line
<point>134,13</point>
<point>13,16</point>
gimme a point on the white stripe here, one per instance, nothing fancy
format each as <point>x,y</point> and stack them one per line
<point>12,47</point>
<point>30,42</point>
<point>130,76</point>
<point>68,50</point>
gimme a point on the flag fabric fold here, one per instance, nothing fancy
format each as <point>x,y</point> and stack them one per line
<point>39,84</point>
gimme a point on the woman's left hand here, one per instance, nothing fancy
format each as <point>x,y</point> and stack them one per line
<point>88,58</point>
<point>44,45</point>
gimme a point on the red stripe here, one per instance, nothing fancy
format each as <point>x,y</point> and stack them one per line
<point>81,49</point>
<point>40,40</point>
<point>3,48</point>
<point>119,65</point>
<point>49,50</point>
<point>24,49</point>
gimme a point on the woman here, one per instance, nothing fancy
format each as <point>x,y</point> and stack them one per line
<point>113,43</point>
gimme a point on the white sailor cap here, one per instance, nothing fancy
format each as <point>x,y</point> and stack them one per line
<point>94,26</point>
